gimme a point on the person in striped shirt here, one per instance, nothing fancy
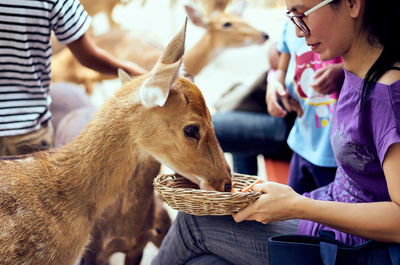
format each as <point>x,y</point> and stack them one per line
<point>25,54</point>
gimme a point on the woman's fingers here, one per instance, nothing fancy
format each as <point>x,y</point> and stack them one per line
<point>244,214</point>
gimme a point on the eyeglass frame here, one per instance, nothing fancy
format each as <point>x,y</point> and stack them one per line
<point>300,23</point>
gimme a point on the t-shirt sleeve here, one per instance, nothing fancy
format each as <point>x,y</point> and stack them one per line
<point>385,125</point>
<point>390,138</point>
<point>69,20</point>
<point>282,45</point>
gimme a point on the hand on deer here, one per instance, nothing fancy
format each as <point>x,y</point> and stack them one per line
<point>277,203</point>
<point>133,69</point>
<point>328,79</point>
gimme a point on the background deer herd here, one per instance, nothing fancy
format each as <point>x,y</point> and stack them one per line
<point>137,30</point>
<point>141,28</point>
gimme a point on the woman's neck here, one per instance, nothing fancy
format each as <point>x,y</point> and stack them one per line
<point>361,56</point>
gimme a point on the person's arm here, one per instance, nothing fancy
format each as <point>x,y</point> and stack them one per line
<point>328,79</point>
<point>276,90</point>
<point>276,87</point>
<point>377,220</point>
<point>91,56</point>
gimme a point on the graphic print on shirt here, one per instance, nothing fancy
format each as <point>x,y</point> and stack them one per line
<point>307,63</point>
<point>349,153</point>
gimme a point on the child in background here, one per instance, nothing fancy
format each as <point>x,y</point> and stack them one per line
<point>300,75</point>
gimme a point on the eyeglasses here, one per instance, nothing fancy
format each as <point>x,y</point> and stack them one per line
<point>298,19</point>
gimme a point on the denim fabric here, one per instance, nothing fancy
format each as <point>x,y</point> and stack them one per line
<point>218,240</point>
<point>207,259</point>
<point>305,176</point>
<point>248,134</point>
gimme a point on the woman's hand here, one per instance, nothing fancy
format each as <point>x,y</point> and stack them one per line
<point>278,202</point>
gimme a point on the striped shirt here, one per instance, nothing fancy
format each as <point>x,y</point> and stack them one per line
<point>25,54</point>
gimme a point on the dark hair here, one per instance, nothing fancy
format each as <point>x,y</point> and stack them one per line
<point>381,20</point>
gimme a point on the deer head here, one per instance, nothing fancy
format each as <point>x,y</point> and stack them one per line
<point>176,125</point>
<point>228,30</point>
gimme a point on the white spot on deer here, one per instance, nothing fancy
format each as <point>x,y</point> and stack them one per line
<point>152,96</point>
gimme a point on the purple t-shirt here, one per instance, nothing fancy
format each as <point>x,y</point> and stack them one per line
<point>360,141</point>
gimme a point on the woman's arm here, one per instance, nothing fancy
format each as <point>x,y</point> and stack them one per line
<point>378,220</point>
<point>92,56</point>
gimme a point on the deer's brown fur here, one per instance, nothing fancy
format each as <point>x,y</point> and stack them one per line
<point>50,200</point>
<point>135,218</point>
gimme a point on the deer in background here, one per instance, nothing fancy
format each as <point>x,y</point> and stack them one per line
<point>50,200</point>
<point>223,31</point>
<point>94,7</point>
<point>210,6</point>
<point>134,219</point>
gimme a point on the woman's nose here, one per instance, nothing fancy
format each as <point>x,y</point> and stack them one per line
<point>300,33</point>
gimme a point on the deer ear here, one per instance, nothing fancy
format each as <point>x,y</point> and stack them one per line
<point>124,76</point>
<point>220,5</point>
<point>155,89</point>
<point>196,16</point>
<point>239,8</point>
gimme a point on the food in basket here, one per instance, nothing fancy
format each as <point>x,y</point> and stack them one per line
<point>182,195</point>
<point>248,188</point>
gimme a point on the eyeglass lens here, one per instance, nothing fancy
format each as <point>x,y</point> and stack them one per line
<point>300,24</point>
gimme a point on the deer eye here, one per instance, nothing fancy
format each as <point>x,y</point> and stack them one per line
<point>228,187</point>
<point>192,131</point>
<point>227,24</point>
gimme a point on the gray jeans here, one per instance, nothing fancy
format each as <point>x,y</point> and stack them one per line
<point>218,240</point>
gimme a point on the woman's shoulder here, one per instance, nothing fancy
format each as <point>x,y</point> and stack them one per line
<point>391,76</point>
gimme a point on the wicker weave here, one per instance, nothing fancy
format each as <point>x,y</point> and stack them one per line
<point>182,195</point>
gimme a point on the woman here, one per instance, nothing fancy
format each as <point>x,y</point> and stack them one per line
<point>363,202</point>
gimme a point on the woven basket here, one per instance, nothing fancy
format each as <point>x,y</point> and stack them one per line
<point>182,195</point>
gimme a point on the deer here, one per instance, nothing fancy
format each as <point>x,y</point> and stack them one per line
<point>136,218</point>
<point>214,5</point>
<point>131,221</point>
<point>94,7</point>
<point>222,31</point>
<point>51,199</point>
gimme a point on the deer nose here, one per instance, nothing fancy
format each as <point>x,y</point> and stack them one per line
<point>265,36</point>
<point>228,187</point>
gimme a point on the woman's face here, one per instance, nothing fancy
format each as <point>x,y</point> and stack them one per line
<point>331,28</point>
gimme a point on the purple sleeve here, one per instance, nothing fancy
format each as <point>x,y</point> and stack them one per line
<point>387,116</point>
<point>394,94</point>
<point>390,138</point>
